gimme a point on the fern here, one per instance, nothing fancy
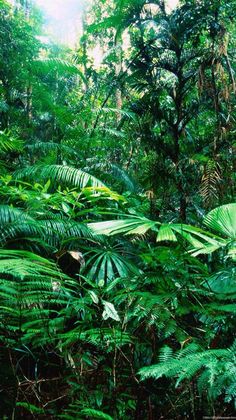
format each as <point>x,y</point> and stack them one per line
<point>103,338</point>
<point>211,179</point>
<point>190,362</point>
<point>29,285</point>
<point>74,410</point>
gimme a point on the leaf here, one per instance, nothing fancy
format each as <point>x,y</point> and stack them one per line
<point>223,282</point>
<point>110,311</point>
<point>165,233</point>
<point>52,65</point>
<point>96,414</point>
<point>30,407</point>
<point>223,220</point>
<point>108,264</point>
<point>61,174</point>
<point>94,297</point>
<point>9,143</point>
<point>129,226</point>
<point>97,192</point>
<point>109,22</point>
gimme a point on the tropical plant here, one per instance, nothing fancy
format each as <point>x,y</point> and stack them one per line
<point>117,215</point>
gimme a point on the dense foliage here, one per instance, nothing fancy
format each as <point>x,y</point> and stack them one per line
<point>117,213</point>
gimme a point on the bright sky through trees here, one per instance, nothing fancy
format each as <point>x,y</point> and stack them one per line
<point>63,16</point>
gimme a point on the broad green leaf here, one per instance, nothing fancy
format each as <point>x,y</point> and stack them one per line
<point>110,311</point>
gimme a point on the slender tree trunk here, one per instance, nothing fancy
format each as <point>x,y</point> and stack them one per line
<point>118,71</point>
<point>85,54</point>
<point>177,132</point>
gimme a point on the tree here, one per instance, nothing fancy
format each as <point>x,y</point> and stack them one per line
<point>165,71</point>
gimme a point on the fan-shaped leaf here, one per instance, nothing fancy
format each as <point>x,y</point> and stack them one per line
<point>129,226</point>
<point>223,220</point>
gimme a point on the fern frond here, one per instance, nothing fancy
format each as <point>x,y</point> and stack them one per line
<point>105,338</point>
<point>211,179</point>
<point>216,369</point>
<point>29,284</point>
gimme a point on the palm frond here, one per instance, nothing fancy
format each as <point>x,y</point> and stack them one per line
<point>52,65</point>
<point>122,176</point>
<point>129,226</point>
<point>59,174</point>
<point>15,223</point>
<point>9,143</point>
<point>47,147</point>
<point>223,220</point>
<point>107,264</point>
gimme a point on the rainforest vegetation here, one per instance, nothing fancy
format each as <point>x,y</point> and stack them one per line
<point>118,213</point>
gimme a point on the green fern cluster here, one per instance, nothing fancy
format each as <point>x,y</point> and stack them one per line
<point>30,286</point>
<point>214,370</point>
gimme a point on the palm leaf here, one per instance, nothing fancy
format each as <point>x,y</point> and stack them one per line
<point>107,264</point>
<point>223,220</point>
<point>165,233</point>
<point>52,65</point>
<point>130,226</point>
<point>9,143</point>
<point>61,174</point>
<point>223,283</point>
<point>15,223</point>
